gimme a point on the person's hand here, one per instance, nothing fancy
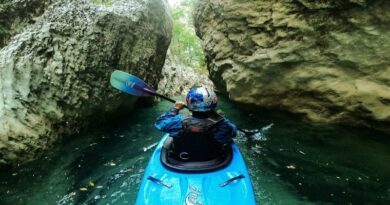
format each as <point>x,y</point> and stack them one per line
<point>179,105</point>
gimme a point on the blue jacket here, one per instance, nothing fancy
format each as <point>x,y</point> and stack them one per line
<point>171,122</point>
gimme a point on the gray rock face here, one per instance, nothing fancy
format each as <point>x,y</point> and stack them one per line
<point>55,63</point>
<point>15,15</point>
<point>328,60</point>
<point>177,79</point>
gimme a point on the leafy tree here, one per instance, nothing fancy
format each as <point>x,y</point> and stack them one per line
<point>185,45</point>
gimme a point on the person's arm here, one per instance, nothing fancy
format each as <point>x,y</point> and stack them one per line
<point>225,132</point>
<point>170,122</point>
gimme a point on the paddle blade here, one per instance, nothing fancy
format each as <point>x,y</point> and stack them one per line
<point>130,84</point>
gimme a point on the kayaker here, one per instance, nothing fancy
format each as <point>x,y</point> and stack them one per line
<point>201,135</point>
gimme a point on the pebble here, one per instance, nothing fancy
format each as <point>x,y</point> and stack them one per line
<point>291,166</point>
<point>110,163</point>
<point>128,170</point>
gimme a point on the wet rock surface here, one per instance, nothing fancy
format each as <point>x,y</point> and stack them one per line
<point>325,59</point>
<point>55,61</point>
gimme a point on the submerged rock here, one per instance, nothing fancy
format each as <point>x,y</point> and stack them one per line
<point>328,60</point>
<point>55,61</point>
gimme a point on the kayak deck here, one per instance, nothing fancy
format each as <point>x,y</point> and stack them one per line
<point>230,185</point>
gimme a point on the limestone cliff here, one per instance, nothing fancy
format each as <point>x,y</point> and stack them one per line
<point>328,60</point>
<point>55,61</point>
<point>177,79</point>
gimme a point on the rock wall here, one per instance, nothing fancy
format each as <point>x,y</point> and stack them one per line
<point>328,60</point>
<point>15,15</point>
<point>55,61</point>
<point>177,79</point>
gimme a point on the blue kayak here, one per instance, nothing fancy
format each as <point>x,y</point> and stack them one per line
<point>218,181</point>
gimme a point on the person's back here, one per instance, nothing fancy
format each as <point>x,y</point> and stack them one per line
<point>202,135</point>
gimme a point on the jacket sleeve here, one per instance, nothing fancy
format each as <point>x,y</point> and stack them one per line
<point>225,132</point>
<point>169,122</point>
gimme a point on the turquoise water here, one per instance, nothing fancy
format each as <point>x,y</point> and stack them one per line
<point>297,163</point>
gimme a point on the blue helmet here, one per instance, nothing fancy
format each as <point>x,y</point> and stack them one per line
<point>201,99</point>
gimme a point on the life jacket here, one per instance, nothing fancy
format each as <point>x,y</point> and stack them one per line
<point>195,142</point>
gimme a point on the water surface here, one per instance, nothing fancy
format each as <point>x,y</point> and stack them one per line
<point>297,163</point>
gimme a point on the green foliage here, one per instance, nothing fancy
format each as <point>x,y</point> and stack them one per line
<point>102,2</point>
<point>185,45</point>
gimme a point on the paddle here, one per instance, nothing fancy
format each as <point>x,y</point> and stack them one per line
<point>132,85</point>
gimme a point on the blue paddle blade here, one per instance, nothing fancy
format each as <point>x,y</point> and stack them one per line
<point>130,84</point>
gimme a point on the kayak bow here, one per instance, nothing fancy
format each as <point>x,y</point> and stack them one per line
<point>228,185</point>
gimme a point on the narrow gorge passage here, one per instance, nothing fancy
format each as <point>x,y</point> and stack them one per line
<point>318,71</point>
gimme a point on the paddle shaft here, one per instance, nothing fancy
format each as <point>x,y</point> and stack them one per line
<point>158,95</point>
<point>241,130</point>
<point>161,96</point>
